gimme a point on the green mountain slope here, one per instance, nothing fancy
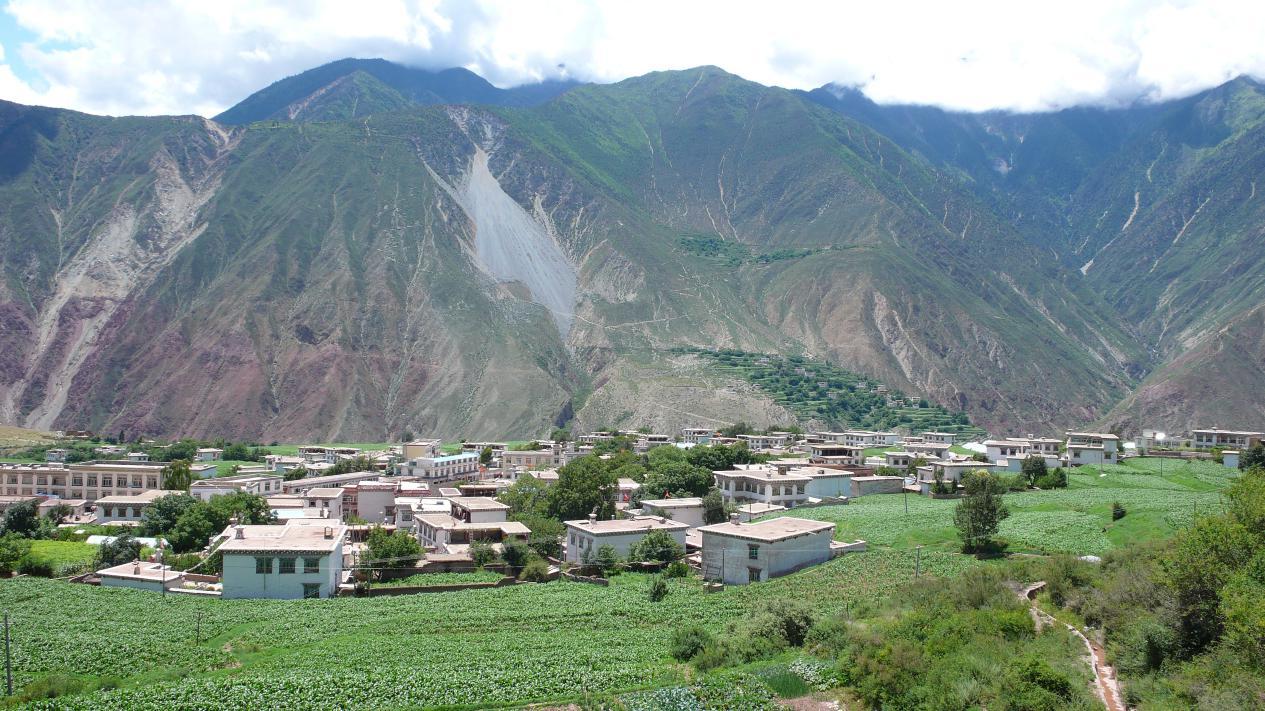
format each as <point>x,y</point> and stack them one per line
<point>495,270</point>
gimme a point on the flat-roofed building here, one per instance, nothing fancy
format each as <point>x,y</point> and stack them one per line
<point>938,437</point>
<point>697,435</point>
<point>447,534</point>
<point>1225,439</point>
<point>825,482</point>
<point>772,440</point>
<point>532,458</point>
<point>281,463</point>
<point>138,456</point>
<point>208,454</point>
<point>899,459</point>
<point>301,559</point>
<point>478,509</point>
<point>687,509</point>
<point>449,467</point>
<point>866,485</point>
<point>128,508</point>
<point>420,448</point>
<point>141,575</point>
<point>585,537</point>
<point>835,453</point>
<point>78,508</point>
<point>7,502</point>
<point>752,511</point>
<point>737,553</point>
<point>929,450</point>
<point>998,450</point>
<point>261,485</point>
<point>1091,448</point>
<point>86,480</point>
<point>56,455</point>
<point>647,442</point>
<point>764,486</point>
<point>298,486</point>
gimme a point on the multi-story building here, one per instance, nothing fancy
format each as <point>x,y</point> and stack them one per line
<point>533,458</point>
<point>738,553</point>
<point>836,453</point>
<point>1225,439</point>
<point>444,468</point>
<point>127,508</point>
<point>940,437</point>
<point>697,435</point>
<point>260,484</point>
<point>773,440</point>
<point>301,559</point>
<point>87,480</point>
<point>1091,448</point>
<point>208,454</point>
<point>584,538</point>
<point>763,485</point>
<point>298,486</point>
<point>314,453</point>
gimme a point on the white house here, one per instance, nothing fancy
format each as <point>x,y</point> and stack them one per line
<point>263,485</point>
<point>738,553</point>
<point>687,509</point>
<point>825,482</point>
<point>444,468</point>
<point>141,575</point>
<point>938,437</point>
<point>301,559</point>
<point>772,440</point>
<point>138,456</point>
<point>127,508</point>
<point>835,453</point>
<point>696,435</point>
<point>1224,439</point>
<point>1091,448</point>
<point>763,485</point>
<point>208,454</point>
<point>585,537</point>
<point>56,455</point>
<point>998,450</point>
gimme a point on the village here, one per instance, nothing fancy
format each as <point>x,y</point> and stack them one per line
<point>445,509</point>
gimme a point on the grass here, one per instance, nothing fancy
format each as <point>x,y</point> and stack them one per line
<point>433,579</point>
<point>1072,520</point>
<point>64,554</point>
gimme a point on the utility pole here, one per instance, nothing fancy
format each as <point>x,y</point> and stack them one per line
<point>917,561</point>
<point>8,659</point>
<point>197,637</point>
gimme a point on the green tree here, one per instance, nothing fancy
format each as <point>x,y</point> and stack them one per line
<point>978,516</point>
<point>485,457</point>
<point>714,508</point>
<point>656,547</point>
<point>248,509</point>
<point>161,515</point>
<point>123,548</point>
<point>481,554</point>
<point>546,534</point>
<point>1254,457</point>
<point>677,478</point>
<point>194,529</point>
<point>606,558</point>
<point>528,496</point>
<point>584,486</point>
<point>58,514</point>
<point>1033,469</point>
<point>13,548</point>
<point>22,519</point>
<point>658,588</point>
<point>392,549</point>
<point>177,476</point>
<point>515,553</point>
<point>299,472</point>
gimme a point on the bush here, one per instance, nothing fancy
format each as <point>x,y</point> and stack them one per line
<point>536,571</point>
<point>36,565</point>
<point>657,547</point>
<point>677,569</point>
<point>606,559</point>
<point>1117,511</point>
<point>658,588</point>
<point>687,642</point>
<point>515,553</point>
<point>1055,479</point>
<point>481,553</point>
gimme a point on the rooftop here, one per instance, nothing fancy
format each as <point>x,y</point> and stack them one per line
<point>638,524</point>
<point>478,503</point>
<point>145,497</point>
<point>323,492</point>
<point>764,475</point>
<point>142,571</point>
<point>297,536</point>
<point>776,529</point>
<point>681,503</point>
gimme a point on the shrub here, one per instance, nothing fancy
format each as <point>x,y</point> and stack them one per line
<point>481,553</point>
<point>536,571</point>
<point>515,553</point>
<point>785,683</point>
<point>787,620</point>
<point>36,565</point>
<point>677,569</point>
<point>687,642</point>
<point>606,559</point>
<point>658,588</point>
<point>12,549</point>
<point>1117,511</point>
<point>1055,479</point>
<point>657,546</point>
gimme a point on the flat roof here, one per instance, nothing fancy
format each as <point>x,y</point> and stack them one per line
<point>296,536</point>
<point>776,529</point>
<point>144,497</point>
<point>1229,432</point>
<point>323,492</point>
<point>820,472</point>
<point>763,475</point>
<point>637,524</point>
<point>879,478</point>
<point>681,503</point>
<point>142,571</point>
<point>1098,435</point>
<point>759,507</point>
<point>478,503</point>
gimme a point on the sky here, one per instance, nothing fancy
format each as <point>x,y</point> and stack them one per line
<point>195,57</point>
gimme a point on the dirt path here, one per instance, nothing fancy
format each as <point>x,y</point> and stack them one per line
<point>1104,674</point>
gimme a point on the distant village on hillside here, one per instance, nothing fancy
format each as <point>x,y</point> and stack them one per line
<point>336,520</point>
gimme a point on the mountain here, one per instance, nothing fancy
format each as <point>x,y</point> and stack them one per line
<point>350,88</point>
<point>366,249</point>
<point>1154,204</point>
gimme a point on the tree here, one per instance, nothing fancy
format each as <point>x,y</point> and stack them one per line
<point>22,519</point>
<point>248,509</point>
<point>661,456</point>
<point>298,472</point>
<point>979,515</point>
<point>720,457</point>
<point>528,496</point>
<point>656,547</point>
<point>58,513</point>
<point>1252,458</point>
<point>359,463</point>
<point>737,428</point>
<point>193,530</point>
<point>485,457</point>
<point>515,553</point>
<point>12,549</point>
<point>714,508</point>
<point>677,478</point>
<point>658,588</point>
<point>177,476</point>
<point>546,534</point>
<point>606,558</point>
<point>237,452</point>
<point>395,549</point>
<point>1033,469</point>
<point>481,554</point>
<point>161,515</point>
<point>123,548</point>
<point>584,486</point>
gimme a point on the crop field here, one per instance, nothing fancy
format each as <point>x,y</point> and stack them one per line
<point>64,554</point>
<point>474,648</point>
<point>1073,520</point>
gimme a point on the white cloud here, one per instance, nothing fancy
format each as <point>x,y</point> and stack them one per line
<point>196,57</point>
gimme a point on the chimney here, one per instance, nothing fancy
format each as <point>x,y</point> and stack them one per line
<point>735,518</point>
<point>329,532</point>
<point>239,532</point>
<point>136,567</point>
<point>592,519</point>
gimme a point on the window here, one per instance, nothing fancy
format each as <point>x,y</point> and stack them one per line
<point>263,566</point>
<point>753,551</point>
<point>287,566</point>
<point>311,565</point>
<point>311,591</point>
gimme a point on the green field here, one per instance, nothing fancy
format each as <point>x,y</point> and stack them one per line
<point>527,643</point>
<point>64,554</point>
<point>1072,520</point>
